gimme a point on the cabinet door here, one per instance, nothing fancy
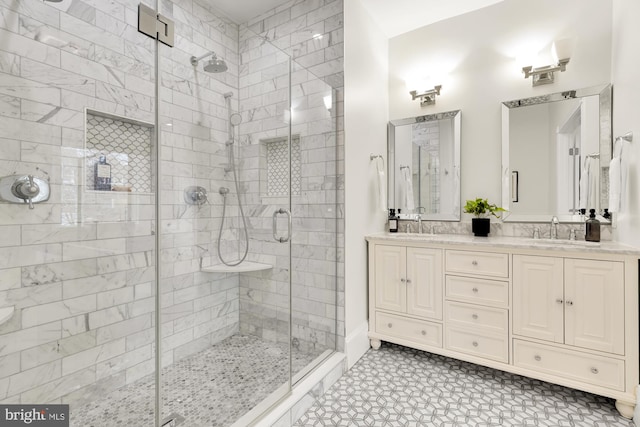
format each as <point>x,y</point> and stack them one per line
<point>424,282</point>
<point>538,297</point>
<point>390,271</point>
<point>594,306</point>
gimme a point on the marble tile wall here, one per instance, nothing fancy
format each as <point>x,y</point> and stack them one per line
<point>197,309</point>
<point>311,33</point>
<point>79,269</point>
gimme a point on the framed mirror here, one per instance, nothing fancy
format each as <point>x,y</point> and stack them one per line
<point>424,166</point>
<point>556,151</point>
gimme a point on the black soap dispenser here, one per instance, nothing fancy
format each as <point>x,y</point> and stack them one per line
<point>592,227</point>
<point>393,221</point>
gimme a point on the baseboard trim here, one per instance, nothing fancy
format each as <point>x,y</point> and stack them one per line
<point>356,344</point>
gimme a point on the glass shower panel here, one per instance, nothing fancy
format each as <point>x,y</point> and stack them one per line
<point>225,360</point>
<point>77,271</point>
<point>314,205</point>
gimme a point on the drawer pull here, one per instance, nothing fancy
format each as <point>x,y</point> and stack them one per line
<point>475,290</point>
<point>569,302</point>
<point>537,357</point>
<point>390,325</point>
<point>559,301</point>
<point>475,316</point>
<point>474,262</point>
<point>424,332</point>
<point>475,343</point>
<point>594,370</point>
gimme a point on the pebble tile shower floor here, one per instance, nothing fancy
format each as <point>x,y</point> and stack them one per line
<point>402,387</point>
<point>212,388</point>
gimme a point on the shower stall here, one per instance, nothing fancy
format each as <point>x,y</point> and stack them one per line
<point>170,207</point>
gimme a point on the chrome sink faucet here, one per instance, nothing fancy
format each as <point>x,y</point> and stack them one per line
<point>554,227</point>
<point>419,221</point>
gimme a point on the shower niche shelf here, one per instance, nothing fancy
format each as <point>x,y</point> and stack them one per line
<point>127,145</point>
<point>244,267</point>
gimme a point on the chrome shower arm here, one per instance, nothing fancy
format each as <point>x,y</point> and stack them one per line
<point>194,60</point>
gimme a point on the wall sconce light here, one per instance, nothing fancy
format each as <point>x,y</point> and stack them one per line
<point>427,97</point>
<point>561,53</point>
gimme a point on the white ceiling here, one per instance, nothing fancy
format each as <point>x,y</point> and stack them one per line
<point>396,17</point>
<point>241,11</point>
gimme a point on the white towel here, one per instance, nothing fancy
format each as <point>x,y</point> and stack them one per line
<point>615,183</point>
<point>589,184</point>
<point>382,185</point>
<point>407,178</point>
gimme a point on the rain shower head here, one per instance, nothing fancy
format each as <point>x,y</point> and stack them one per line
<point>214,65</point>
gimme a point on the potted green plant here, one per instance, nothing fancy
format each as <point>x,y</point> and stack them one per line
<point>481,224</point>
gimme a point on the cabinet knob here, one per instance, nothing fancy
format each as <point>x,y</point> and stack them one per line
<point>594,370</point>
<point>424,332</point>
<point>475,316</point>
<point>408,280</point>
<point>474,262</point>
<point>475,343</point>
<point>389,325</point>
<point>402,280</point>
<point>559,301</point>
<point>537,357</point>
<point>569,302</point>
<point>475,290</point>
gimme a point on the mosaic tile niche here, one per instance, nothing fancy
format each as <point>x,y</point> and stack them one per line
<point>275,176</point>
<point>127,146</point>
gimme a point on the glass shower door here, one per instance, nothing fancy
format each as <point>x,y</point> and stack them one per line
<point>77,216</point>
<point>224,278</point>
<point>314,189</point>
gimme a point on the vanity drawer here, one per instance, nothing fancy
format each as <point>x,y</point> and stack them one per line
<point>417,331</point>
<point>484,263</point>
<point>477,291</point>
<point>478,343</point>
<point>477,317</point>
<point>588,368</point>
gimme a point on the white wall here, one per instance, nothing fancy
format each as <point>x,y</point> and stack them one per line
<point>366,116</point>
<point>626,109</point>
<point>475,53</point>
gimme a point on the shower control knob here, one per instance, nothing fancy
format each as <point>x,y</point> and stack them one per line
<point>25,188</point>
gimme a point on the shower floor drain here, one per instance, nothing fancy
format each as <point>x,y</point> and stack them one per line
<point>172,420</point>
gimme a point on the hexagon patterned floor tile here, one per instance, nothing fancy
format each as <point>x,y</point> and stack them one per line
<point>403,387</point>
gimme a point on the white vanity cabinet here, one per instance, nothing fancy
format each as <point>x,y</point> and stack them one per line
<point>476,304</point>
<point>565,314</point>
<point>578,302</point>
<point>409,283</point>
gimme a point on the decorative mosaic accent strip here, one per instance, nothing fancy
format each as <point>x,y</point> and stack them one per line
<point>127,147</point>
<point>278,167</point>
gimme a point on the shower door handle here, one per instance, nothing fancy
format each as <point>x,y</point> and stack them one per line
<point>277,212</point>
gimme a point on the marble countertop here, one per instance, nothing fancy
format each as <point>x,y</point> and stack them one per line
<point>510,242</point>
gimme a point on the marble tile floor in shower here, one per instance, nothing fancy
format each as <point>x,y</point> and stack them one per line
<point>212,388</point>
<point>401,387</point>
